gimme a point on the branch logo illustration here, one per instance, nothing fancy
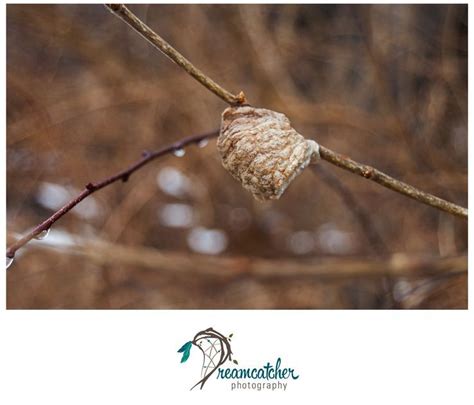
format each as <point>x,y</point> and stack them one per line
<point>216,352</point>
<point>215,349</point>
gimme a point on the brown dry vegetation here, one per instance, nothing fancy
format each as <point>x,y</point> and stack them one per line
<point>386,85</point>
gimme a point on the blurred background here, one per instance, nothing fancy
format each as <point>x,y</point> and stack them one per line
<point>386,85</point>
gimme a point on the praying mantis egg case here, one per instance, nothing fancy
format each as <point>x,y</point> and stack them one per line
<point>261,150</point>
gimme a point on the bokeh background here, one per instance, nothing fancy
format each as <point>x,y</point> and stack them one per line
<point>384,84</point>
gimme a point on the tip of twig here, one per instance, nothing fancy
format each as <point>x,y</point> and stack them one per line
<point>241,99</point>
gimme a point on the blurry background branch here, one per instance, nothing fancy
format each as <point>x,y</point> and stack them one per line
<point>398,265</point>
<point>357,208</point>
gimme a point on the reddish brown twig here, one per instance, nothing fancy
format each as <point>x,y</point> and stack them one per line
<point>93,187</point>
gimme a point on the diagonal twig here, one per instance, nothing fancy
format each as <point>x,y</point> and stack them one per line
<point>122,12</point>
<point>90,188</point>
<point>387,181</point>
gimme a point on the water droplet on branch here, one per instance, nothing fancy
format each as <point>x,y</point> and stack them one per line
<point>43,234</point>
<point>203,143</point>
<point>9,261</point>
<point>179,152</point>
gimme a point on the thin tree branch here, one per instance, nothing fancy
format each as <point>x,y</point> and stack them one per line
<point>122,12</point>
<point>385,180</point>
<point>90,188</point>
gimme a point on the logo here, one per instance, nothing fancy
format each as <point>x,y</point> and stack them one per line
<point>216,351</point>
